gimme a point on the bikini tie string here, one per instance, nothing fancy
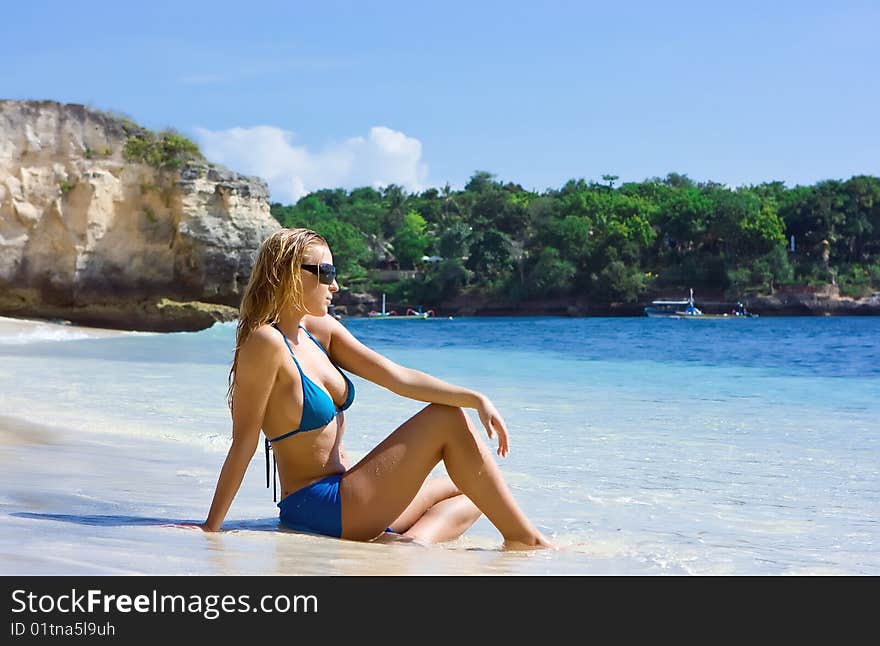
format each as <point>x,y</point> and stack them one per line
<point>267,464</point>
<point>274,472</point>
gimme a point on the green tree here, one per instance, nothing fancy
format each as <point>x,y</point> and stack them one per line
<point>763,274</point>
<point>602,241</point>
<point>365,210</point>
<point>455,240</point>
<point>857,237</point>
<point>480,182</point>
<point>572,236</point>
<point>411,241</point>
<point>551,275</point>
<point>610,179</point>
<point>620,281</point>
<point>395,200</point>
<point>443,281</point>
<point>490,257</point>
<point>350,250</point>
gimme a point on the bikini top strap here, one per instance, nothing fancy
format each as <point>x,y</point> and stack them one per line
<point>287,343</point>
<point>320,345</point>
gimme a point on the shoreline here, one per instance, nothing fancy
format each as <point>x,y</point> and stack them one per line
<point>29,329</point>
<point>11,327</point>
<point>70,506</point>
<point>792,300</point>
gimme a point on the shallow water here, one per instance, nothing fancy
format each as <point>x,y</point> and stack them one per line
<point>643,446</point>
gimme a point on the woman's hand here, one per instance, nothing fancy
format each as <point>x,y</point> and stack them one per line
<point>494,423</point>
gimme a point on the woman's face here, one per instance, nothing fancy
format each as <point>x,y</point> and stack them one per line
<point>317,295</point>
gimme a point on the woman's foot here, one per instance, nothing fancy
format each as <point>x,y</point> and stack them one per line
<point>537,542</point>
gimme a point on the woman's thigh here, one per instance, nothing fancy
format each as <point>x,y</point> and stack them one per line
<point>380,487</point>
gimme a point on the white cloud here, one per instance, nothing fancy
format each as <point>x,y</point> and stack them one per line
<point>383,157</point>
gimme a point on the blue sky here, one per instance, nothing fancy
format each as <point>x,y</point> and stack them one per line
<point>323,94</point>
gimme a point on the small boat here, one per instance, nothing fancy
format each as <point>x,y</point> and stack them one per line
<point>384,313</point>
<point>392,314</point>
<point>674,309</point>
<point>686,309</point>
<point>740,311</point>
<point>419,314</point>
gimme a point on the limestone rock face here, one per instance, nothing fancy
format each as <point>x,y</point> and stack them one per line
<point>88,236</point>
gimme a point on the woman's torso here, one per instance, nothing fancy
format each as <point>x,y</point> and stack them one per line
<point>311,454</point>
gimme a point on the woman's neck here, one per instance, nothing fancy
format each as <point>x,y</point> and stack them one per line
<point>289,322</point>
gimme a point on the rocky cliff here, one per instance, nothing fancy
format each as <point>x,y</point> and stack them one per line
<point>816,301</point>
<point>90,236</point>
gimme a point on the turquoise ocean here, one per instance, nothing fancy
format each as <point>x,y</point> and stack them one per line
<point>641,446</point>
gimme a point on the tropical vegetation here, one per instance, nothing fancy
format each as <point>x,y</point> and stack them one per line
<point>598,241</point>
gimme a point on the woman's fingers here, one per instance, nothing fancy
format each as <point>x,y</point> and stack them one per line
<point>492,431</point>
<point>503,442</point>
<point>495,426</point>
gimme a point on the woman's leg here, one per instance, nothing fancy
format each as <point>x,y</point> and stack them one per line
<point>439,512</point>
<point>445,521</point>
<point>378,489</point>
<point>432,491</point>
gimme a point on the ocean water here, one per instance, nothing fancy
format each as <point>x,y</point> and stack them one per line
<point>641,446</point>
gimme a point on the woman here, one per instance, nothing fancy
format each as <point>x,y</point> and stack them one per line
<point>286,380</point>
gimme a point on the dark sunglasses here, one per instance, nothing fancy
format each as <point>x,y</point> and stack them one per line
<point>325,272</point>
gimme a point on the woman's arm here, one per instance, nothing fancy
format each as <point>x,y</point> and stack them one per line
<point>254,376</point>
<point>355,357</point>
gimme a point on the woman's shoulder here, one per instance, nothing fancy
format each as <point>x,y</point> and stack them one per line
<point>320,327</point>
<point>263,342</point>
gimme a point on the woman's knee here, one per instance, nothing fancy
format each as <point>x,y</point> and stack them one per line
<point>451,420</point>
<point>443,487</point>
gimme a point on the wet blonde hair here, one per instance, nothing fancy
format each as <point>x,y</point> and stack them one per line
<point>275,284</point>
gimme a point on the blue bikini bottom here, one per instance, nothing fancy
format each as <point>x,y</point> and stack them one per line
<point>316,508</point>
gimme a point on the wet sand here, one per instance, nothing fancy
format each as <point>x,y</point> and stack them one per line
<point>76,505</point>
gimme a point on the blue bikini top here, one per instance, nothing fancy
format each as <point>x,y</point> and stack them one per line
<point>318,407</point>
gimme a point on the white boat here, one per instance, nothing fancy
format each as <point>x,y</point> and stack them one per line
<point>686,309</point>
<point>674,309</point>
<point>410,313</point>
